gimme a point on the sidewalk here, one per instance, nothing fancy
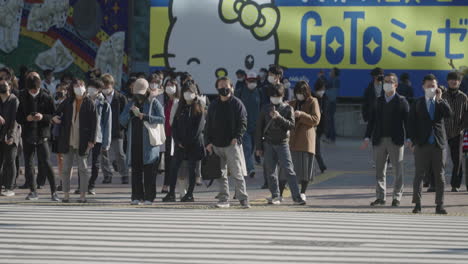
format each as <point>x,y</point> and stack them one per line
<point>347,186</point>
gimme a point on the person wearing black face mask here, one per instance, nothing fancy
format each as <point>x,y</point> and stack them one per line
<point>9,138</point>
<point>458,101</point>
<point>225,126</point>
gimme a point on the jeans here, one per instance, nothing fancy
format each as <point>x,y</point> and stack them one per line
<point>331,134</point>
<point>248,144</point>
<point>44,165</point>
<point>280,154</point>
<point>7,165</point>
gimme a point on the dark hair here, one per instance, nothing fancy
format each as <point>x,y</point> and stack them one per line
<point>185,76</point>
<point>404,77</point>
<point>241,72</point>
<point>141,75</point>
<point>276,70</point>
<point>276,90</point>
<point>33,82</point>
<point>98,84</point>
<point>336,71</point>
<point>319,84</point>
<point>377,71</point>
<point>224,78</point>
<point>430,77</point>
<point>71,92</point>
<point>8,71</point>
<point>66,75</point>
<point>47,72</point>
<point>302,87</point>
<point>264,70</point>
<point>197,108</point>
<point>454,76</point>
<point>173,81</point>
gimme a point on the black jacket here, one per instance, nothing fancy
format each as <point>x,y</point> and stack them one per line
<point>237,117</point>
<point>420,125</point>
<point>323,103</point>
<point>88,122</point>
<point>368,102</point>
<point>399,119</point>
<point>117,105</point>
<point>43,104</point>
<point>274,131</point>
<point>187,130</point>
<point>8,110</point>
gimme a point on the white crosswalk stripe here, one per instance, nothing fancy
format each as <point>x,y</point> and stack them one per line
<point>56,234</point>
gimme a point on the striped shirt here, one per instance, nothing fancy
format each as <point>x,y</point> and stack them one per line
<point>458,101</point>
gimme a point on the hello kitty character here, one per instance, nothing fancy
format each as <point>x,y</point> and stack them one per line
<point>214,38</point>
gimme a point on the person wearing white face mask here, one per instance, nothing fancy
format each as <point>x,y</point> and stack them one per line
<point>302,138</point>
<point>170,107</point>
<point>241,80</point>
<point>274,124</point>
<point>387,127</point>
<point>34,115</point>
<point>103,130</point>
<point>250,96</point>
<point>428,137</point>
<point>156,87</point>
<point>77,116</point>
<point>187,133</point>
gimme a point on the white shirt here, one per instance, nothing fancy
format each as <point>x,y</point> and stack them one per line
<point>50,87</point>
<point>110,97</point>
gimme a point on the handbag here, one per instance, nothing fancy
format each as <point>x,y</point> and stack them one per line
<point>156,132</point>
<point>211,167</point>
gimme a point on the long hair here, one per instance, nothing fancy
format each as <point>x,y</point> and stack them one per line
<point>197,108</point>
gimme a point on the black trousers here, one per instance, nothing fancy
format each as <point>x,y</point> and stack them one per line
<point>167,162</point>
<point>43,158</point>
<point>192,167</point>
<point>425,157</point>
<point>455,145</point>
<point>144,182</point>
<point>7,165</point>
<point>318,153</point>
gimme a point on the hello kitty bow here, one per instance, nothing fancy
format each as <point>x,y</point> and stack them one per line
<point>262,20</point>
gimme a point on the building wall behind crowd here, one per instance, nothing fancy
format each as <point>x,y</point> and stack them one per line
<point>214,38</point>
<point>65,35</point>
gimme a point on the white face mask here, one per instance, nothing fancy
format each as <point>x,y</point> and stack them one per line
<point>79,91</point>
<point>154,86</point>
<point>300,97</point>
<point>170,90</point>
<point>271,79</point>
<point>252,85</point>
<point>36,94</point>
<point>240,79</point>
<point>430,92</point>
<point>388,87</point>
<point>107,91</point>
<point>276,100</point>
<point>189,96</point>
<point>321,93</point>
<point>287,85</point>
<point>92,91</point>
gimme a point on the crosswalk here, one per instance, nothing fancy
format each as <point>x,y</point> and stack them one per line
<point>88,234</point>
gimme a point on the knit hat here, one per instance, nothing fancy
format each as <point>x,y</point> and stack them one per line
<point>141,86</point>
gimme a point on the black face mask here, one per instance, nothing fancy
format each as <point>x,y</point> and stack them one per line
<point>224,91</point>
<point>3,88</point>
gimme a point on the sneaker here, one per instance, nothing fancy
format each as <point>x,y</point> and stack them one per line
<point>303,196</point>
<point>299,202</point>
<point>378,202</point>
<point>32,196</point>
<point>77,191</point>
<point>245,204</point>
<point>55,197</point>
<point>7,193</point>
<point>188,198</point>
<point>395,203</point>
<point>170,198</point>
<point>148,203</point>
<point>135,202</point>
<point>276,201</point>
<point>223,204</point>
<point>440,210</point>
<point>252,174</point>
<point>455,189</point>
<point>91,191</point>
<point>417,209</point>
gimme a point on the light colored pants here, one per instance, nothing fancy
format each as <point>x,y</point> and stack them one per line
<point>117,153</point>
<point>68,159</point>
<point>232,159</point>
<point>386,149</point>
